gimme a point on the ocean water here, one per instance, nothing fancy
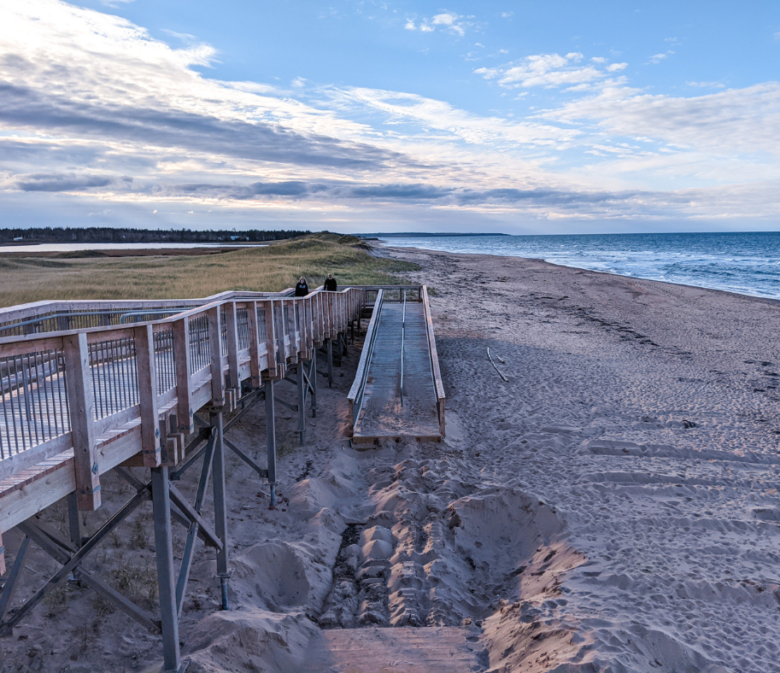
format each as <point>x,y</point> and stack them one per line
<point>746,263</point>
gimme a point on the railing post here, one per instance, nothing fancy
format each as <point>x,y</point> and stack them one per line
<point>215,345</point>
<point>232,343</point>
<point>81,402</point>
<point>2,555</point>
<point>254,345</point>
<point>147,394</point>
<point>181,357</point>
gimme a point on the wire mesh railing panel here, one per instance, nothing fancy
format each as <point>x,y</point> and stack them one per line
<point>34,402</point>
<point>164,362</point>
<point>223,338</point>
<point>200,350</point>
<point>242,320</point>
<point>62,321</point>
<point>114,371</point>
<point>279,326</point>
<point>262,327</point>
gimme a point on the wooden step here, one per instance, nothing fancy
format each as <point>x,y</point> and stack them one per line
<point>435,649</point>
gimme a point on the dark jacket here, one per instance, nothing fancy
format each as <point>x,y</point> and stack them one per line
<point>331,285</point>
<point>301,289</point>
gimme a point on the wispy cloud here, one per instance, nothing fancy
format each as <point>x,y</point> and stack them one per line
<point>743,120</point>
<point>441,116</point>
<point>549,70</point>
<point>657,58</point>
<point>454,23</point>
<point>707,85</point>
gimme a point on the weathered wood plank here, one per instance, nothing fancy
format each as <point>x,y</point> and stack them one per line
<point>215,345</point>
<point>147,390</point>
<point>81,403</point>
<point>181,356</point>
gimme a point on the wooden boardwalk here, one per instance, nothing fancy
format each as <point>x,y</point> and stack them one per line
<point>402,395</point>
<point>108,395</point>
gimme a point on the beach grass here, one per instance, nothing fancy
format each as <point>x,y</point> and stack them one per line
<point>89,275</point>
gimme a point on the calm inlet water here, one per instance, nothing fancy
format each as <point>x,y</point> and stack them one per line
<point>747,263</point>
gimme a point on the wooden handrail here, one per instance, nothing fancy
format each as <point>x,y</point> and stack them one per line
<point>438,383</point>
<point>355,396</point>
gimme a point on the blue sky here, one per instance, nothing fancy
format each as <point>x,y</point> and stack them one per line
<point>523,117</point>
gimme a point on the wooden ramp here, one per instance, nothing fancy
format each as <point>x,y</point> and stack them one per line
<point>438,649</point>
<point>398,391</point>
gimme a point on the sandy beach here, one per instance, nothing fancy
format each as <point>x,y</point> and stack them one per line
<point>612,507</point>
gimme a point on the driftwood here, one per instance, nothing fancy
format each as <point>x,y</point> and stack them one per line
<point>506,380</point>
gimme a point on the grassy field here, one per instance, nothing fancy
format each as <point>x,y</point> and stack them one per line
<point>26,279</point>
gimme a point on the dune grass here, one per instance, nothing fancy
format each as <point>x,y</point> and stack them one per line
<point>27,279</point>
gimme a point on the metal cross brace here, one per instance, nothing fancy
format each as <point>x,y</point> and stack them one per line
<point>243,456</point>
<point>70,563</point>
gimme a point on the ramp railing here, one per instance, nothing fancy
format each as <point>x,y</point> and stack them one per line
<point>435,370</point>
<point>355,397</point>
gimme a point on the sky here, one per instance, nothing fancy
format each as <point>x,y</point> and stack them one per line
<point>357,116</point>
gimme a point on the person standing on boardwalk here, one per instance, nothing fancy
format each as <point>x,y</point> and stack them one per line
<point>330,283</point>
<point>301,289</point>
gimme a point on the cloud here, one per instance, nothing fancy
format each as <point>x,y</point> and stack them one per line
<point>548,70</point>
<point>506,15</point>
<point>98,117</point>
<point>24,108</point>
<point>439,115</point>
<point>707,85</point>
<point>657,58</point>
<point>741,120</point>
<point>65,183</point>
<point>445,20</point>
<point>449,21</point>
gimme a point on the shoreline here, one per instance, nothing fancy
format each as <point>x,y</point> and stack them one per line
<point>613,507</point>
<point>387,245</point>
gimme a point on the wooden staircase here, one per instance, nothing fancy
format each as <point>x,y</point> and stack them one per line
<point>435,649</point>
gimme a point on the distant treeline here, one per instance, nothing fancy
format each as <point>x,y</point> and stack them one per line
<point>111,235</point>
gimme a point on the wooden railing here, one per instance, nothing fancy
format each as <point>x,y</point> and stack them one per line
<point>435,370</point>
<point>355,397</point>
<point>77,403</point>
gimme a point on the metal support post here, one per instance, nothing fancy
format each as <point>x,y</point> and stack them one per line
<point>301,402</point>
<point>220,506</point>
<point>330,363</point>
<point>13,576</point>
<point>161,508</point>
<point>270,437</point>
<point>339,350</point>
<point>75,521</point>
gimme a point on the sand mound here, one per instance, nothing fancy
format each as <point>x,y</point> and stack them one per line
<point>250,640</point>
